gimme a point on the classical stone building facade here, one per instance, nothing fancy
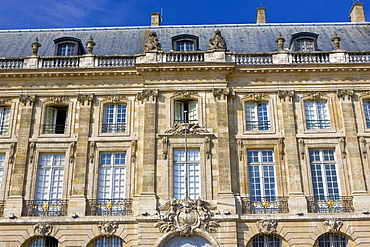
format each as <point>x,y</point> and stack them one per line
<point>231,135</point>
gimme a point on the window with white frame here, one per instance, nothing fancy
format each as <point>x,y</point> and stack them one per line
<point>186,171</point>
<point>266,241</point>
<point>50,173</point>
<point>2,163</point>
<point>110,241</point>
<point>305,45</point>
<point>185,42</point>
<point>324,174</point>
<point>55,119</point>
<point>114,118</point>
<point>185,45</point>
<point>4,120</point>
<point>44,241</point>
<point>366,104</point>
<point>66,49</point>
<point>261,173</point>
<point>317,116</point>
<point>332,240</point>
<point>112,175</point>
<point>186,111</point>
<point>257,117</point>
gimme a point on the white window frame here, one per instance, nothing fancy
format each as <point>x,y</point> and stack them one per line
<point>115,188</point>
<point>117,124</point>
<point>191,108</point>
<point>50,177</point>
<point>257,165</point>
<point>317,114</point>
<point>257,116</point>
<point>4,120</point>
<point>50,124</point>
<point>324,173</point>
<point>193,173</point>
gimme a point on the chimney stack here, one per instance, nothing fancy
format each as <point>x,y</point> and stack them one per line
<point>155,19</point>
<point>357,14</point>
<point>260,16</point>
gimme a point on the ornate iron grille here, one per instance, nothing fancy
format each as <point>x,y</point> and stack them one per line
<point>112,128</point>
<point>258,125</point>
<point>318,124</point>
<point>265,205</point>
<point>106,207</point>
<point>343,204</point>
<point>48,208</point>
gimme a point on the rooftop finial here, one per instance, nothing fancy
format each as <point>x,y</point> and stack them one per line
<point>90,45</point>
<point>336,41</point>
<point>280,42</point>
<point>35,46</point>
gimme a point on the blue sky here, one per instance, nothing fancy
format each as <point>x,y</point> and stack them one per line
<point>25,14</point>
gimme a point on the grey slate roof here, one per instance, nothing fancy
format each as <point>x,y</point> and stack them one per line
<point>239,38</point>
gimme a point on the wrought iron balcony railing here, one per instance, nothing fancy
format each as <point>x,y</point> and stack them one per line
<point>265,205</point>
<point>107,207</point>
<point>55,129</point>
<point>46,208</point>
<point>258,125</point>
<point>337,204</point>
<point>317,124</point>
<point>4,129</point>
<point>112,128</point>
<point>2,203</point>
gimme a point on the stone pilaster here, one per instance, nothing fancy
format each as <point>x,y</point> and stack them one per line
<point>225,196</point>
<point>15,200</point>
<point>147,134</point>
<point>297,200</point>
<point>77,201</point>
<point>352,149</point>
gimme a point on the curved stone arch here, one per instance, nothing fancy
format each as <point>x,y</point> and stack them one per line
<point>199,232</point>
<point>92,241</point>
<point>284,243</point>
<point>27,242</point>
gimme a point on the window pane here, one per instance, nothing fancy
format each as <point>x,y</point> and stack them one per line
<point>257,116</point>
<point>316,115</point>
<point>367,112</point>
<point>4,120</point>
<point>66,50</point>
<point>2,161</point>
<point>114,118</point>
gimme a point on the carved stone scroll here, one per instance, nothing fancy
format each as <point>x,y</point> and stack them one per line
<point>4,100</point>
<point>92,152</point>
<point>27,99</point>
<point>285,95</point>
<point>363,147</point>
<point>256,96</point>
<point>133,150</point>
<point>301,148</point>
<point>58,99</point>
<point>108,228</point>
<point>43,229</point>
<point>164,147</point>
<point>72,150</point>
<point>31,152</point>
<point>146,94</point>
<point>342,145</point>
<point>221,93</point>
<point>207,147</point>
<point>240,151</point>
<point>12,152</point>
<point>184,94</point>
<point>85,98</point>
<point>281,148</point>
<point>333,225</point>
<point>267,226</point>
<point>115,98</point>
<point>345,93</point>
<point>315,95</point>
<point>191,129</point>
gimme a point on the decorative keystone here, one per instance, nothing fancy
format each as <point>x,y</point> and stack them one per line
<point>35,47</point>
<point>280,42</point>
<point>90,45</point>
<point>336,41</point>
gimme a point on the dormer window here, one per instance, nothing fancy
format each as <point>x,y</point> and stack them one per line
<point>185,42</point>
<point>304,42</point>
<point>68,46</point>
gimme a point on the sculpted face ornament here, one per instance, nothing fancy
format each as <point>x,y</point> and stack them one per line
<point>333,225</point>
<point>184,216</point>
<point>42,229</point>
<point>108,228</point>
<point>267,226</point>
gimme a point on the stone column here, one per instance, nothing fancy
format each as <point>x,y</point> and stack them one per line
<point>225,197</point>
<point>147,142</point>
<point>15,201</point>
<point>297,200</point>
<point>353,154</point>
<point>77,201</point>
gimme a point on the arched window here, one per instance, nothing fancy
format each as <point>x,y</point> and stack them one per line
<point>266,241</point>
<point>187,241</point>
<point>332,240</point>
<point>185,42</point>
<point>68,46</point>
<point>304,41</point>
<point>110,241</point>
<point>44,242</point>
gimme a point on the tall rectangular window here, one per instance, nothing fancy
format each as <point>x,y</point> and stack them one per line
<point>324,174</point>
<point>366,105</point>
<point>114,118</point>
<point>2,162</point>
<point>55,119</point>
<point>186,112</point>
<point>191,174</point>
<point>257,117</point>
<point>317,116</point>
<point>4,120</point>
<point>112,174</point>
<point>261,171</point>
<point>50,176</point>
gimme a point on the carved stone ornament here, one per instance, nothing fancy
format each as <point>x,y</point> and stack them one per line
<point>286,95</point>
<point>72,151</point>
<point>345,93</point>
<point>191,129</point>
<point>90,45</point>
<point>43,229</point>
<point>146,94</point>
<point>221,93</point>
<point>217,42</point>
<point>184,94</point>
<point>267,226</point>
<point>152,43</point>
<point>255,96</point>
<point>35,46</point>
<point>363,146</point>
<point>164,147</point>
<point>12,152</point>
<point>107,227</point>
<point>336,41</point>
<point>58,99</point>
<point>92,152</point>
<point>280,42</point>
<point>4,100</point>
<point>115,98</point>
<point>315,95</point>
<point>85,98</point>
<point>333,225</point>
<point>342,145</point>
<point>133,150</point>
<point>27,99</point>
<point>183,216</point>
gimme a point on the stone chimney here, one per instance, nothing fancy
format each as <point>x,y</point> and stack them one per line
<point>357,14</point>
<point>155,19</point>
<point>260,16</point>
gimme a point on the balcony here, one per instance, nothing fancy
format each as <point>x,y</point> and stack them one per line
<point>337,204</point>
<point>262,205</point>
<point>45,208</point>
<point>113,128</point>
<point>318,124</point>
<point>55,129</point>
<point>258,125</point>
<point>109,207</point>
